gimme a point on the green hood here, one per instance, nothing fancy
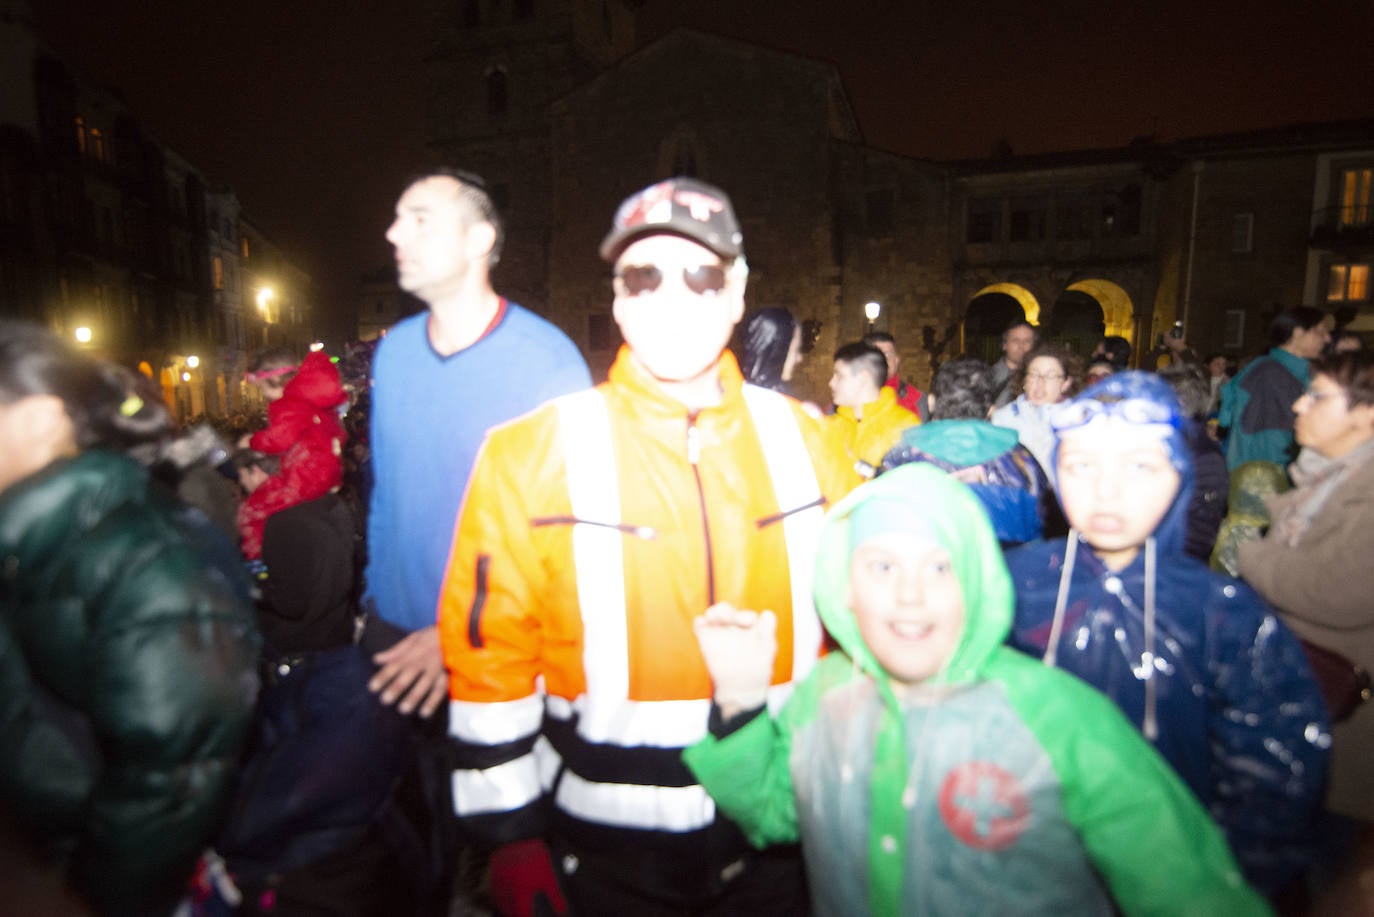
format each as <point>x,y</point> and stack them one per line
<point>962,528</point>
<point>961,442</point>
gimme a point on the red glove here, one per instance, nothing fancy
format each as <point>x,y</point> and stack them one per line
<point>521,874</point>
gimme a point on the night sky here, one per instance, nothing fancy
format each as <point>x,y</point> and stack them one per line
<point>315,120</point>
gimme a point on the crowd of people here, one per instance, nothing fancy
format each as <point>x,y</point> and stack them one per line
<point>1055,635</point>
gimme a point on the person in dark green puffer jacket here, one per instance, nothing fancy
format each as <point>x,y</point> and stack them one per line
<point>127,639</point>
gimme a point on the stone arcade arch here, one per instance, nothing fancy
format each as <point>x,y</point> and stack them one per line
<point>1086,311</point>
<point>989,313</point>
<point>1115,303</point>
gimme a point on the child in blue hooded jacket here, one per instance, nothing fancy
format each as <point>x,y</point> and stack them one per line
<point>1197,661</point>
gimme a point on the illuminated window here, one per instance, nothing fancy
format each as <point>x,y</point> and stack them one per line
<point>1347,283</point>
<point>217,269</point>
<point>243,247</point>
<point>81,134</point>
<point>97,145</point>
<point>1355,203</point>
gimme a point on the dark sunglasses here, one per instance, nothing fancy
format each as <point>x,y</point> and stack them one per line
<point>704,280</point>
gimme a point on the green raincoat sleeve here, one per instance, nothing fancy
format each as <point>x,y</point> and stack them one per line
<point>1147,835</point>
<point>748,775</point>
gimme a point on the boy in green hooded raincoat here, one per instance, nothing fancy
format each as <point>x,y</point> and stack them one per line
<point>928,769</point>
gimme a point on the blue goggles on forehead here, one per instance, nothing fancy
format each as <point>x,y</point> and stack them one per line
<point>1138,411</point>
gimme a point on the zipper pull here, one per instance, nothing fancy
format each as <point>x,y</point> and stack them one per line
<point>693,441</point>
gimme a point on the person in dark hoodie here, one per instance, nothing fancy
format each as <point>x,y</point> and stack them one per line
<point>769,346</point>
<point>959,439</point>
<point>1212,678</point>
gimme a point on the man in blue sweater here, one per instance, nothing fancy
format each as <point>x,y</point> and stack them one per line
<point>440,380</point>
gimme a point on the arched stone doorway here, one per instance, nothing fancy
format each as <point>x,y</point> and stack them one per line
<point>1076,322</point>
<point>990,312</point>
<point>1089,310</point>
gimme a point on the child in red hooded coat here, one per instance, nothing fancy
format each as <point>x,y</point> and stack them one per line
<point>303,428</point>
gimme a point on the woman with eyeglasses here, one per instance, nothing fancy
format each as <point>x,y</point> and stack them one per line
<point>1194,659</point>
<point>127,642</point>
<point>1048,375</point>
<point>1316,563</point>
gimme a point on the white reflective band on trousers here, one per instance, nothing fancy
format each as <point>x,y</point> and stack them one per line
<point>495,723</point>
<point>505,787</point>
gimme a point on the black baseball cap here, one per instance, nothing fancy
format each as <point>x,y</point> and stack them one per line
<point>678,206</point>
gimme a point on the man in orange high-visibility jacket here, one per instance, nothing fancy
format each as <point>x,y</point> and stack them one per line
<point>594,531</point>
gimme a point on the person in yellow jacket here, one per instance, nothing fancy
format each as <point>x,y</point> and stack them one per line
<point>594,531</point>
<point>867,421</point>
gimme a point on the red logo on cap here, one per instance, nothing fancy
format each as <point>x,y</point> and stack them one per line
<point>983,805</point>
<point>638,210</point>
<point>701,206</point>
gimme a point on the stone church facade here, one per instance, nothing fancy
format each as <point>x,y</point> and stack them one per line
<point>555,105</point>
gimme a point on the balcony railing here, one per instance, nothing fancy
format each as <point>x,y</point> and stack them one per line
<point>1340,228</point>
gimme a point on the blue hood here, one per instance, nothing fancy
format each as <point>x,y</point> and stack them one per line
<point>1142,386</point>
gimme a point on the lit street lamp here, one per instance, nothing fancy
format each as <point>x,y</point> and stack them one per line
<point>83,335</point>
<point>871,311</point>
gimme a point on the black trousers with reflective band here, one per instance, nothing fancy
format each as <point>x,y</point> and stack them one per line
<point>772,883</point>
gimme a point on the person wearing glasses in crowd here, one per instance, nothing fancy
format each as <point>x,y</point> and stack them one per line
<point>1196,660</point>
<point>594,531</point>
<point>1314,564</point>
<point>1048,375</point>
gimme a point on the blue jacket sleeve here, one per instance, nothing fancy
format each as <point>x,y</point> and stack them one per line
<point>1269,734</point>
